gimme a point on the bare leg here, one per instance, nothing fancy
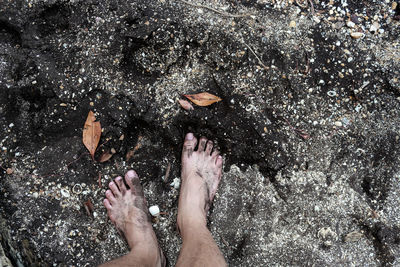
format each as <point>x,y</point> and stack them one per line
<point>201,174</point>
<point>127,209</point>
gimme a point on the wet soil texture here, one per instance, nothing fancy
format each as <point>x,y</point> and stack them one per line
<point>308,125</point>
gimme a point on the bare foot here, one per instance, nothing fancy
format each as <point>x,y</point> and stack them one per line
<point>127,209</point>
<point>201,174</point>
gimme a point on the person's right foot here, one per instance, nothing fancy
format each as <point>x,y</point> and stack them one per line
<point>201,174</point>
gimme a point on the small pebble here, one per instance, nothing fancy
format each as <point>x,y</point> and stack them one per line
<point>154,210</point>
<point>65,193</point>
<point>373,28</point>
<point>176,183</point>
<point>338,123</point>
<point>356,35</point>
<point>350,24</point>
<point>331,93</point>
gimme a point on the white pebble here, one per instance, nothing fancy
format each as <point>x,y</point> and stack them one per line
<point>175,183</point>
<point>331,93</point>
<point>65,193</point>
<point>35,195</point>
<point>338,123</point>
<point>80,80</point>
<point>154,210</point>
<point>356,35</point>
<point>373,28</point>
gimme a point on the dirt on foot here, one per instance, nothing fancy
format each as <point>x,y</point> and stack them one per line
<point>200,175</point>
<point>308,126</point>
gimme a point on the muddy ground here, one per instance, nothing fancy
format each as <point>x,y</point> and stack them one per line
<point>308,126</point>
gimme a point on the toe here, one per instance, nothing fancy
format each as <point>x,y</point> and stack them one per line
<point>110,196</point>
<point>202,144</point>
<point>209,147</point>
<point>107,204</point>
<point>189,145</point>
<point>121,185</point>
<point>218,161</point>
<point>215,153</point>
<point>129,176</point>
<point>114,189</point>
<point>137,187</point>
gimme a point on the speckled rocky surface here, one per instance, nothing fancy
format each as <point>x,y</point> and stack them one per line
<point>308,125</point>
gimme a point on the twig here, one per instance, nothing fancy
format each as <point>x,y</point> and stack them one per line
<point>217,11</point>
<point>312,7</point>
<point>300,132</point>
<point>85,153</point>
<point>99,180</point>
<point>254,53</point>
<point>167,172</point>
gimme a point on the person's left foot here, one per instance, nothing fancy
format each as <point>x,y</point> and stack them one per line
<point>127,209</point>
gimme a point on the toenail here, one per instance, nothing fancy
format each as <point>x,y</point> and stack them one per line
<point>111,183</point>
<point>189,136</point>
<point>118,179</point>
<point>131,174</point>
<point>220,157</point>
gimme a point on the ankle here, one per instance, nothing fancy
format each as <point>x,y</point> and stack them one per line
<point>191,225</point>
<point>143,239</point>
<point>150,253</point>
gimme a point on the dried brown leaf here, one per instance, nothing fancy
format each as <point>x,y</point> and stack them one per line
<point>91,133</point>
<point>203,99</point>
<point>106,155</point>
<point>185,104</point>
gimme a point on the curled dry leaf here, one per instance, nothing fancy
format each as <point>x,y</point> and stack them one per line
<point>91,133</point>
<point>185,104</point>
<point>107,155</point>
<point>203,99</point>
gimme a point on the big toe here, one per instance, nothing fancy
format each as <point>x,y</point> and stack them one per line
<point>133,181</point>
<point>129,176</point>
<point>189,145</point>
